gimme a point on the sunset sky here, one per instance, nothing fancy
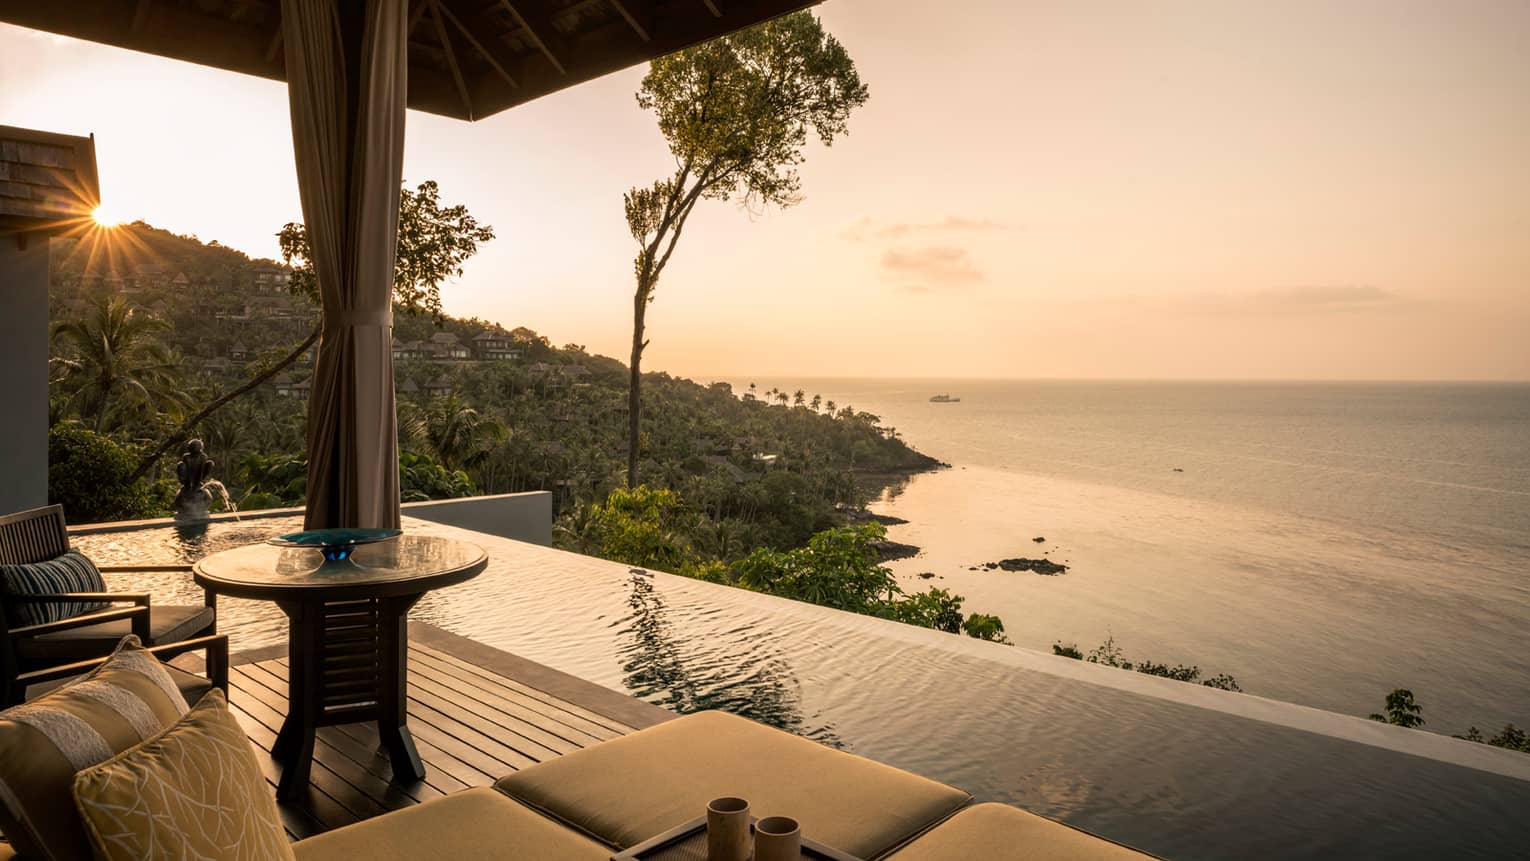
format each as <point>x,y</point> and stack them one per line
<point>1311,189</point>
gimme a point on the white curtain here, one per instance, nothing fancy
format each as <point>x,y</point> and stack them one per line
<point>346,81</point>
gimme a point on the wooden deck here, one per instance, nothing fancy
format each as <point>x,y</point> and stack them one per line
<point>476,714</point>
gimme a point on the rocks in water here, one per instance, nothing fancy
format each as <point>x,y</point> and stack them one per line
<point>1037,566</point>
<point>885,519</point>
<point>926,575</point>
<point>1177,469</point>
<point>1040,539</point>
<point>887,551</point>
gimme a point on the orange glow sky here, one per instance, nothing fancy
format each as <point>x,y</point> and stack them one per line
<point>1311,189</point>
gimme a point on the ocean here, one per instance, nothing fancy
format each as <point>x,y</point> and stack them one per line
<point>1324,543</point>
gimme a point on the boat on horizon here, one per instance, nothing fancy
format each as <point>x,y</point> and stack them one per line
<point>944,399</point>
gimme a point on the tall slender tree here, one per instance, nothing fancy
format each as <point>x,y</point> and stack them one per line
<point>736,113</point>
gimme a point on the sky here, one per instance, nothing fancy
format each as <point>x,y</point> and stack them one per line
<point>1314,189</point>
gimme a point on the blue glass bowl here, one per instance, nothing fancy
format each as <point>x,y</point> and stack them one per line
<point>335,544</point>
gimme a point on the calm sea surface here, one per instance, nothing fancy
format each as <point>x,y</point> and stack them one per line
<point>1323,543</point>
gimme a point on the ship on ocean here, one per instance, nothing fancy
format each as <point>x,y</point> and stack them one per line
<point>944,399</point>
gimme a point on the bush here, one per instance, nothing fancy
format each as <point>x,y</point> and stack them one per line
<point>91,475</point>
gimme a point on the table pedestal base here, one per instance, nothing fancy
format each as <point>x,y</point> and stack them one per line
<point>347,662</point>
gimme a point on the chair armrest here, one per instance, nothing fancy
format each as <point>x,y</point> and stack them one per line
<point>217,662</point>
<point>138,615</point>
<point>139,598</point>
<point>148,569</point>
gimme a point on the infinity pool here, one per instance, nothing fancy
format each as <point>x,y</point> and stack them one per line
<point>1179,770</point>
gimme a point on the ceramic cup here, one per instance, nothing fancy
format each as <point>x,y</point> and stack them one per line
<point>728,829</point>
<point>777,838</point>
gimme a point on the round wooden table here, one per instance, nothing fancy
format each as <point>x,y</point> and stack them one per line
<point>348,647</point>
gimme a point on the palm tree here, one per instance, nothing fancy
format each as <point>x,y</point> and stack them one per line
<point>799,398</point>
<point>458,435</point>
<point>782,397</point>
<point>816,402</point>
<point>751,391</point>
<point>111,359</point>
<point>830,405</point>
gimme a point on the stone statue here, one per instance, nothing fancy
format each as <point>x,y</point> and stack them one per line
<point>194,470</point>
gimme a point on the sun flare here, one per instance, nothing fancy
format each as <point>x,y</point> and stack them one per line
<point>105,217</point>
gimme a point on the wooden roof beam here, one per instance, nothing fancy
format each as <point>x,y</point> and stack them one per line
<point>451,56</point>
<point>140,15</point>
<point>621,9</point>
<point>483,50</point>
<point>536,39</point>
<point>415,15</point>
<point>712,7</point>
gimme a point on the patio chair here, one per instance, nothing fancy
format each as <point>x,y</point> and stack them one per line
<point>39,535</point>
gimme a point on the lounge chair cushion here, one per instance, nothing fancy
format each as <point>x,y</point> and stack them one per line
<point>44,742</point>
<point>998,832</point>
<point>193,791</point>
<point>169,624</point>
<point>478,824</point>
<point>629,789</point>
<point>71,572</point>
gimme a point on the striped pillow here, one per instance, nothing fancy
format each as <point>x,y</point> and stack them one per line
<point>71,572</point>
<point>43,743</point>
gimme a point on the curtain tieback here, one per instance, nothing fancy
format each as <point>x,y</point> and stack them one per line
<point>343,319</point>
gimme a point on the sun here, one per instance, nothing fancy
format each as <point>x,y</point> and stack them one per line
<point>105,217</point>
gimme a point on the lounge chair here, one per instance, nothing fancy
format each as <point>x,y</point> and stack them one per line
<point>39,535</point>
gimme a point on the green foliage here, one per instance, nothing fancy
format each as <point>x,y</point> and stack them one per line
<point>420,478</point>
<point>1401,710</point>
<point>91,475</point>
<point>1110,654</point>
<point>838,568</point>
<point>1510,738</point>
<point>455,433</point>
<point>273,481</point>
<point>644,527</point>
<point>737,111</point>
<point>985,627</point>
<point>433,244</point>
<point>110,363</point>
<point>937,609</point>
<point>1068,651</point>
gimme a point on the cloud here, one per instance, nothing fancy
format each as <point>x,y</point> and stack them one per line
<point>866,227</point>
<point>931,267</point>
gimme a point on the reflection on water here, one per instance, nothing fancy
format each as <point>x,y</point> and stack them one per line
<point>736,677</point>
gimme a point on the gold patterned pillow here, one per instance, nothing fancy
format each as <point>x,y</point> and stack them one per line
<point>126,700</point>
<point>195,791</point>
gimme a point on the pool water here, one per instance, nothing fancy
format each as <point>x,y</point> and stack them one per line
<point>1178,770</point>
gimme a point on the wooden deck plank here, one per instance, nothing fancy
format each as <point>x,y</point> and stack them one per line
<point>472,723</point>
<point>586,727</point>
<point>565,711</point>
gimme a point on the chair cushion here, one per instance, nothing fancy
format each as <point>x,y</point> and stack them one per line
<point>998,832</point>
<point>475,823</point>
<point>193,791</point>
<point>629,789</point>
<point>166,625</point>
<point>71,572</point>
<point>43,743</point>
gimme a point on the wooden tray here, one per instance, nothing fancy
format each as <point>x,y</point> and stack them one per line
<point>688,842</point>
